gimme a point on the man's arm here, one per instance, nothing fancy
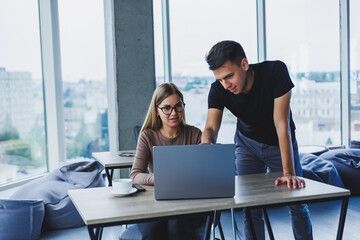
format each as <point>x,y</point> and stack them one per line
<point>212,126</point>
<point>282,125</point>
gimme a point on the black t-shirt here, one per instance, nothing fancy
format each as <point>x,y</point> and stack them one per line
<point>254,110</point>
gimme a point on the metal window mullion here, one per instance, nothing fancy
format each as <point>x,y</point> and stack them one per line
<point>166,40</point>
<point>52,81</point>
<point>111,75</point>
<point>261,30</point>
<point>345,71</point>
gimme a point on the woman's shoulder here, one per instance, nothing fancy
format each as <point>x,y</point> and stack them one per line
<point>149,138</point>
<point>148,133</point>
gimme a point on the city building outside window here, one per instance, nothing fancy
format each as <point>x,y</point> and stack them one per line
<point>82,43</point>
<point>22,125</point>
<point>309,45</point>
<point>206,23</point>
<point>355,70</point>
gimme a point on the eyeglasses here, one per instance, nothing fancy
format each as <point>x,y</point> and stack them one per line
<point>167,110</point>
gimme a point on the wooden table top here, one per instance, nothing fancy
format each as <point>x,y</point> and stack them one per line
<point>113,159</point>
<point>97,205</point>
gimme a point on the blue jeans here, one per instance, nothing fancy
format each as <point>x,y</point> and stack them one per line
<point>255,157</point>
<point>181,228</point>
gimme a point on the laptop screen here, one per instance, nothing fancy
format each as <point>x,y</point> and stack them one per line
<point>194,171</point>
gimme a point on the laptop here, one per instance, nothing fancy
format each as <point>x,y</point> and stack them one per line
<point>194,171</point>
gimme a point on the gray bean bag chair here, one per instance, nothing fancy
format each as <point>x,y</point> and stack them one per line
<point>318,169</point>
<point>347,163</point>
<point>354,144</point>
<point>21,219</point>
<point>52,189</point>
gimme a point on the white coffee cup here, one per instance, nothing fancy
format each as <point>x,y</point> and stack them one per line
<point>121,185</point>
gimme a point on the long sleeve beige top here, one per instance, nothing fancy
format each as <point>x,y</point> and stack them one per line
<point>143,161</point>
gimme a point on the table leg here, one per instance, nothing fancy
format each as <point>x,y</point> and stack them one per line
<point>213,226</point>
<point>95,232</point>
<point>221,231</point>
<point>233,221</point>
<point>250,223</point>
<point>101,232</point>
<point>268,225</point>
<point>109,175</point>
<point>344,206</point>
<point>207,228</point>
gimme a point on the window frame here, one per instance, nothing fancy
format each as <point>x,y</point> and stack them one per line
<point>52,78</point>
<point>262,55</point>
<point>345,71</point>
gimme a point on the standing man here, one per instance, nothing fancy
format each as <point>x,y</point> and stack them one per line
<point>259,96</point>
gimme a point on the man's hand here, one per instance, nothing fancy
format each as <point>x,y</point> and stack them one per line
<point>212,126</point>
<point>291,181</point>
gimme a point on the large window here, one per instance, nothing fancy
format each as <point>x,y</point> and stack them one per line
<point>158,42</point>
<point>22,131</point>
<point>305,35</point>
<point>82,43</point>
<point>195,27</point>
<point>355,69</point>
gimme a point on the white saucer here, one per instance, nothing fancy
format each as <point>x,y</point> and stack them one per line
<point>132,191</point>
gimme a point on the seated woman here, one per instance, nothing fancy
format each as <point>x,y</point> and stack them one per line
<point>164,125</point>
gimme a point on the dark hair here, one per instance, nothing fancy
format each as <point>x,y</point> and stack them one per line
<point>224,51</point>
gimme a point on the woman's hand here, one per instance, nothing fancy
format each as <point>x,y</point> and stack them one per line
<point>291,181</point>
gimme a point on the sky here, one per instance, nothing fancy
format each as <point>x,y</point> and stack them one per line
<point>304,34</point>
<point>82,39</point>
<point>197,25</point>
<point>19,36</point>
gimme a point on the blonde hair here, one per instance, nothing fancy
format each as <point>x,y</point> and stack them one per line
<point>163,91</point>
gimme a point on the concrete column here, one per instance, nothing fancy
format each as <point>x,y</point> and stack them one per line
<point>134,64</point>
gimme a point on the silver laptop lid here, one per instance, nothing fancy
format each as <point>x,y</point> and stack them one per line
<point>194,171</point>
